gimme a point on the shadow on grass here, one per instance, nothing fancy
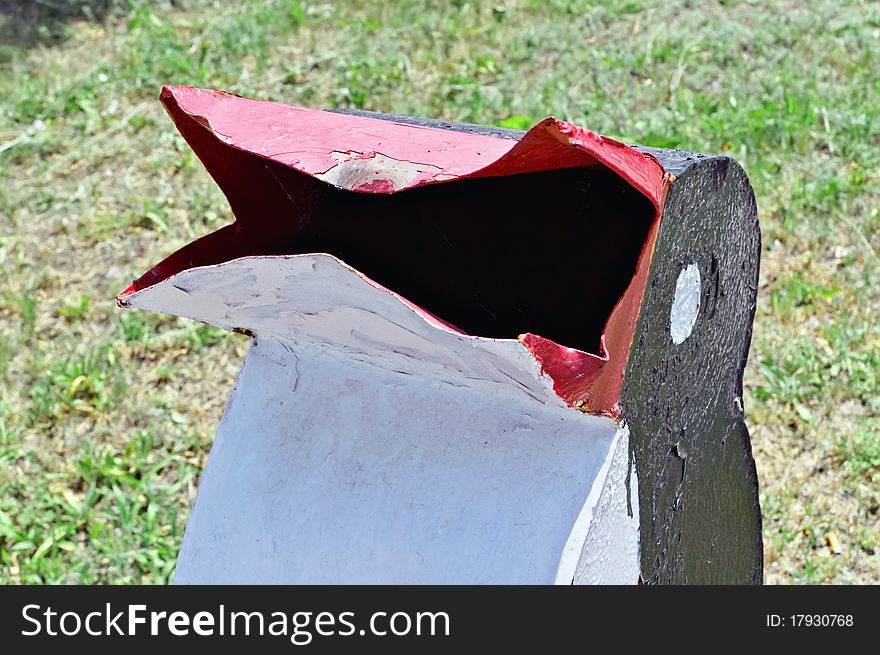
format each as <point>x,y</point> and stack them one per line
<point>30,23</point>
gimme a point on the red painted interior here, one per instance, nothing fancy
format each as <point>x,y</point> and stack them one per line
<point>283,147</point>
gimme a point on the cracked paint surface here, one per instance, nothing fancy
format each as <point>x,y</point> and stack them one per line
<point>374,172</point>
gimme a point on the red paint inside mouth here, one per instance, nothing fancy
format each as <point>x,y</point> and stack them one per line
<point>550,235</point>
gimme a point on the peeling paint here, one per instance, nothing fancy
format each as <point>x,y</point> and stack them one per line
<point>376,173</point>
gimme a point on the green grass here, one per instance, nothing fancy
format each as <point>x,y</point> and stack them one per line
<point>106,416</point>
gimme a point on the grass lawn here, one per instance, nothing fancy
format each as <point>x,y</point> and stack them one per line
<point>106,416</point>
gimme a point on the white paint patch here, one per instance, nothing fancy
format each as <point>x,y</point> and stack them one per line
<point>355,170</point>
<point>365,444</point>
<point>685,304</point>
<point>319,301</point>
<point>610,552</point>
<point>364,476</point>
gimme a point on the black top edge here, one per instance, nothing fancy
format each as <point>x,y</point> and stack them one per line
<point>501,132</point>
<point>675,162</point>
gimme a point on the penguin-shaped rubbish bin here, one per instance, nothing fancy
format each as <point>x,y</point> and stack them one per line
<point>477,355</point>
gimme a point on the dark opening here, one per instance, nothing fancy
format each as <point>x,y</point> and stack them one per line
<point>549,253</point>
